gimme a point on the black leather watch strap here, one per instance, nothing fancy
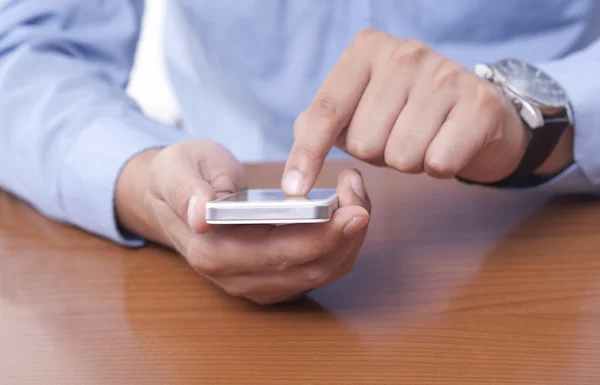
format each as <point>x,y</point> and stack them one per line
<point>541,144</point>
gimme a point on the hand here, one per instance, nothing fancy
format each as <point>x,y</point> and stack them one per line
<point>397,103</point>
<point>265,264</point>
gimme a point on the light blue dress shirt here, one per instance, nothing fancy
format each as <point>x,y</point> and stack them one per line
<point>242,71</point>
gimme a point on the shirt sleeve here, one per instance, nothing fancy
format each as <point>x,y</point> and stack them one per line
<point>67,126</point>
<point>579,75</point>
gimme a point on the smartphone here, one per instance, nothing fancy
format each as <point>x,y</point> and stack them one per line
<point>272,206</point>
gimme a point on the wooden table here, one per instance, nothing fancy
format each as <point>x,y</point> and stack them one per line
<point>455,285</point>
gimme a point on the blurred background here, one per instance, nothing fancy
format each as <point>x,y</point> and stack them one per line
<point>149,84</point>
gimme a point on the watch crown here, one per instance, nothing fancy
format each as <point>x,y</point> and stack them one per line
<point>484,71</point>
<point>517,103</point>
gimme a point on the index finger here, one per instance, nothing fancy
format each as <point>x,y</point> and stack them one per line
<point>317,128</point>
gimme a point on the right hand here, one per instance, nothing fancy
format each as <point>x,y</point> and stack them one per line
<point>263,263</point>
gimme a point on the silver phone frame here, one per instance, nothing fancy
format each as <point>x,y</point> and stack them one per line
<point>220,211</point>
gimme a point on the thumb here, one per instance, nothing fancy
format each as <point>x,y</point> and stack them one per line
<point>190,174</point>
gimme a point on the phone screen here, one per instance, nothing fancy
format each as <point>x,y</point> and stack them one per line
<point>260,195</point>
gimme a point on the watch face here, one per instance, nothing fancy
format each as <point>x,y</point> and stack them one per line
<point>532,83</point>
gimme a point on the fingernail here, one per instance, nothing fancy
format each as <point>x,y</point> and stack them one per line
<point>355,225</point>
<point>191,213</point>
<point>292,183</point>
<point>358,186</point>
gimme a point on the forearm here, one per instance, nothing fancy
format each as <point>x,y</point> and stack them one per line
<point>67,126</point>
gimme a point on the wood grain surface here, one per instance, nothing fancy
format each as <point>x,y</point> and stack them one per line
<point>455,285</point>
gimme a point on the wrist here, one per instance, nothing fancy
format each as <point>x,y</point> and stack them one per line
<point>132,185</point>
<point>559,158</point>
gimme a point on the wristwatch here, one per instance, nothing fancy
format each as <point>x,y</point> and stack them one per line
<point>544,109</point>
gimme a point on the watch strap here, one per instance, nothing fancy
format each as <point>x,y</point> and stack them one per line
<point>541,144</point>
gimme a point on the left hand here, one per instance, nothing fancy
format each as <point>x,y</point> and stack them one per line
<point>161,195</point>
<point>397,103</point>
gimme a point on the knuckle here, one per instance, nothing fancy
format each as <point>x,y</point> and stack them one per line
<point>439,169</point>
<point>409,53</point>
<point>415,47</point>
<point>326,107</point>
<point>366,37</point>
<point>364,151</point>
<point>402,161</point>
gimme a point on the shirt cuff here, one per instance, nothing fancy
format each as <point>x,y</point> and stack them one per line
<point>584,175</point>
<point>570,181</point>
<point>93,164</point>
